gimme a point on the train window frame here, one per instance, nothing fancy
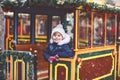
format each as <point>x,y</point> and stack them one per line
<point>40,23</point>
<point>69,27</point>
<point>9,18</point>
<point>104,17</point>
<point>86,23</point>
<point>98,29</point>
<point>10,25</point>
<point>24,20</point>
<point>112,28</point>
<point>118,31</point>
<point>55,21</point>
<point>21,35</point>
<point>41,20</point>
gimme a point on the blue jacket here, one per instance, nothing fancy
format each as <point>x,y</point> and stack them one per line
<point>60,50</point>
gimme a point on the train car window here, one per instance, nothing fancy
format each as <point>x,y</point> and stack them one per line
<point>84,31</point>
<point>10,25</point>
<point>9,22</point>
<point>119,29</point>
<point>110,30</point>
<point>24,24</point>
<point>23,28</point>
<point>41,25</point>
<point>98,24</point>
<point>55,21</point>
<point>69,26</point>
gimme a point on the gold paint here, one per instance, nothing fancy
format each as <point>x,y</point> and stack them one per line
<point>64,67</point>
<point>15,69</point>
<point>88,58</point>
<point>51,71</point>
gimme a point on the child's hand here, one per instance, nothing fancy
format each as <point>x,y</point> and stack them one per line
<point>57,57</point>
<point>54,58</point>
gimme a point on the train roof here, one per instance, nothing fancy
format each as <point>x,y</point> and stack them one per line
<point>61,4</point>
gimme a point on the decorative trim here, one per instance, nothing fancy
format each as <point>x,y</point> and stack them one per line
<point>100,56</point>
<point>10,44</point>
<point>15,69</point>
<point>65,66</point>
<point>119,62</point>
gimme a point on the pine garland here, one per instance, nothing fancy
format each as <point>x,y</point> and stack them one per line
<point>25,56</point>
<point>11,5</point>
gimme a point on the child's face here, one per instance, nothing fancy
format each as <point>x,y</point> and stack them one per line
<point>57,37</point>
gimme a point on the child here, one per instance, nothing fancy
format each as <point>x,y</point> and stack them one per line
<point>59,45</point>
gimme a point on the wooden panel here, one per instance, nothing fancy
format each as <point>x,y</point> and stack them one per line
<point>61,73</point>
<point>42,64</point>
<point>94,68</point>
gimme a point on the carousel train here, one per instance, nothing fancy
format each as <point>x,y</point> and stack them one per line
<point>95,40</point>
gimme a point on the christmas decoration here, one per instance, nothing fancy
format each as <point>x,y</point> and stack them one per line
<point>13,4</point>
<point>27,57</point>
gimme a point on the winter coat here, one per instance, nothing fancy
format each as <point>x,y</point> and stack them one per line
<point>60,50</point>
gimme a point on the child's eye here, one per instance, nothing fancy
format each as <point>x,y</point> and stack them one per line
<point>59,35</point>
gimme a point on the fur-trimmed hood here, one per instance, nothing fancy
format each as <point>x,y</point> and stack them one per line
<point>59,28</point>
